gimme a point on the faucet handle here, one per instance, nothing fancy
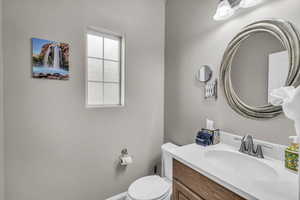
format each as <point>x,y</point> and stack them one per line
<point>259,152</point>
<point>243,138</point>
<point>250,145</point>
<point>243,147</point>
<point>249,138</point>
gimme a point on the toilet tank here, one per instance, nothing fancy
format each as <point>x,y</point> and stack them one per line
<point>167,160</point>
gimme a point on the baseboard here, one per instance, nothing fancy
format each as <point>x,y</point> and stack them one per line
<point>121,196</point>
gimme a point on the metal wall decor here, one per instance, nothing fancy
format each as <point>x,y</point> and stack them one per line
<point>204,74</point>
<point>211,90</point>
<point>287,34</point>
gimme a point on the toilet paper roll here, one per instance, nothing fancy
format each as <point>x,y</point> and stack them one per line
<point>126,160</point>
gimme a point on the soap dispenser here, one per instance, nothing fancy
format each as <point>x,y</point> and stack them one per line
<point>292,154</point>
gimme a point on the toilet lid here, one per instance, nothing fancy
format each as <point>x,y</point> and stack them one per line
<point>149,188</point>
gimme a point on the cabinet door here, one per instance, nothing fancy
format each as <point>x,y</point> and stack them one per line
<point>200,184</point>
<point>180,192</point>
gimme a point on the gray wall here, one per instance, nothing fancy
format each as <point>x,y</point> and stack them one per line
<point>55,147</point>
<point>1,113</point>
<point>193,38</point>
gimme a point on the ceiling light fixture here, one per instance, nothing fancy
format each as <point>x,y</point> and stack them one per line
<point>227,8</point>
<point>224,10</point>
<point>249,3</point>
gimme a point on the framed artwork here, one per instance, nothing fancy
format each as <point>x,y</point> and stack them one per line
<point>50,59</point>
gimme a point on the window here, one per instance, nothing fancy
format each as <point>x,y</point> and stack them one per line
<point>105,69</point>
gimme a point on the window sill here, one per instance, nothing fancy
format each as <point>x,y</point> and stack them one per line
<point>104,106</point>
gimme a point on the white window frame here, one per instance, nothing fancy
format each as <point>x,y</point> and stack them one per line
<point>105,33</point>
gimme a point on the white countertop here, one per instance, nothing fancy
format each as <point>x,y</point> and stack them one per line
<point>283,187</point>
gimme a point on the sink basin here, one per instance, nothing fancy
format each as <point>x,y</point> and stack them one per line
<point>241,165</point>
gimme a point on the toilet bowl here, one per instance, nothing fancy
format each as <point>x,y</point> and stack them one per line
<point>155,187</point>
<point>150,188</point>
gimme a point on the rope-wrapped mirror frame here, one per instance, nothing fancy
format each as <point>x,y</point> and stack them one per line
<point>288,35</point>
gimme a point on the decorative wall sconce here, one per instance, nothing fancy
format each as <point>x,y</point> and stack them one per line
<point>227,8</point>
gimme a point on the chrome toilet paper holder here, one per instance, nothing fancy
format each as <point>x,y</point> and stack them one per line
<point>124,152</point>
<point>125,159</point>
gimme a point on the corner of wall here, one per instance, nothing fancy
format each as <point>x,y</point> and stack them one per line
<point>1,113</point>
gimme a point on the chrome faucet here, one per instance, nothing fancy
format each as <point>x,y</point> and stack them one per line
<point>247,147</point>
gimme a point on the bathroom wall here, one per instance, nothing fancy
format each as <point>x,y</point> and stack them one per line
<point>1,113</point>
<point>193,38</point>
<point>55,147</point>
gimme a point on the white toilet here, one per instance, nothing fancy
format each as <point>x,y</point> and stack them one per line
<point>155,187</point>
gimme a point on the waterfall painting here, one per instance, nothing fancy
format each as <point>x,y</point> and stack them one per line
<point>50,59</point>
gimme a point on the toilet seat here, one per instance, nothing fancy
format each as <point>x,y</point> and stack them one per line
<point>149,188</point>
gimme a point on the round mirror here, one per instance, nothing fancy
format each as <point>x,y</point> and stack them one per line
<point>204,74</point>
<point>264,56</point>
<point>255,72</point>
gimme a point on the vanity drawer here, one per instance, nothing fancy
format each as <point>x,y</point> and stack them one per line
<point>201,185</point>
<point>181,192</point>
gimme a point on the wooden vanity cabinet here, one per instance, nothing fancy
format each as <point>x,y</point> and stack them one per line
<point>189,184</point>
<point>181,192</point>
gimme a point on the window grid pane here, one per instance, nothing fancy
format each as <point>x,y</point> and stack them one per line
<point>111,71</point>
<point>110,82</point>
<point>95,93</point>
<point>111,93</point>
<point>95,46</point>
<point>95,69</point>
<point>111,50</point>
